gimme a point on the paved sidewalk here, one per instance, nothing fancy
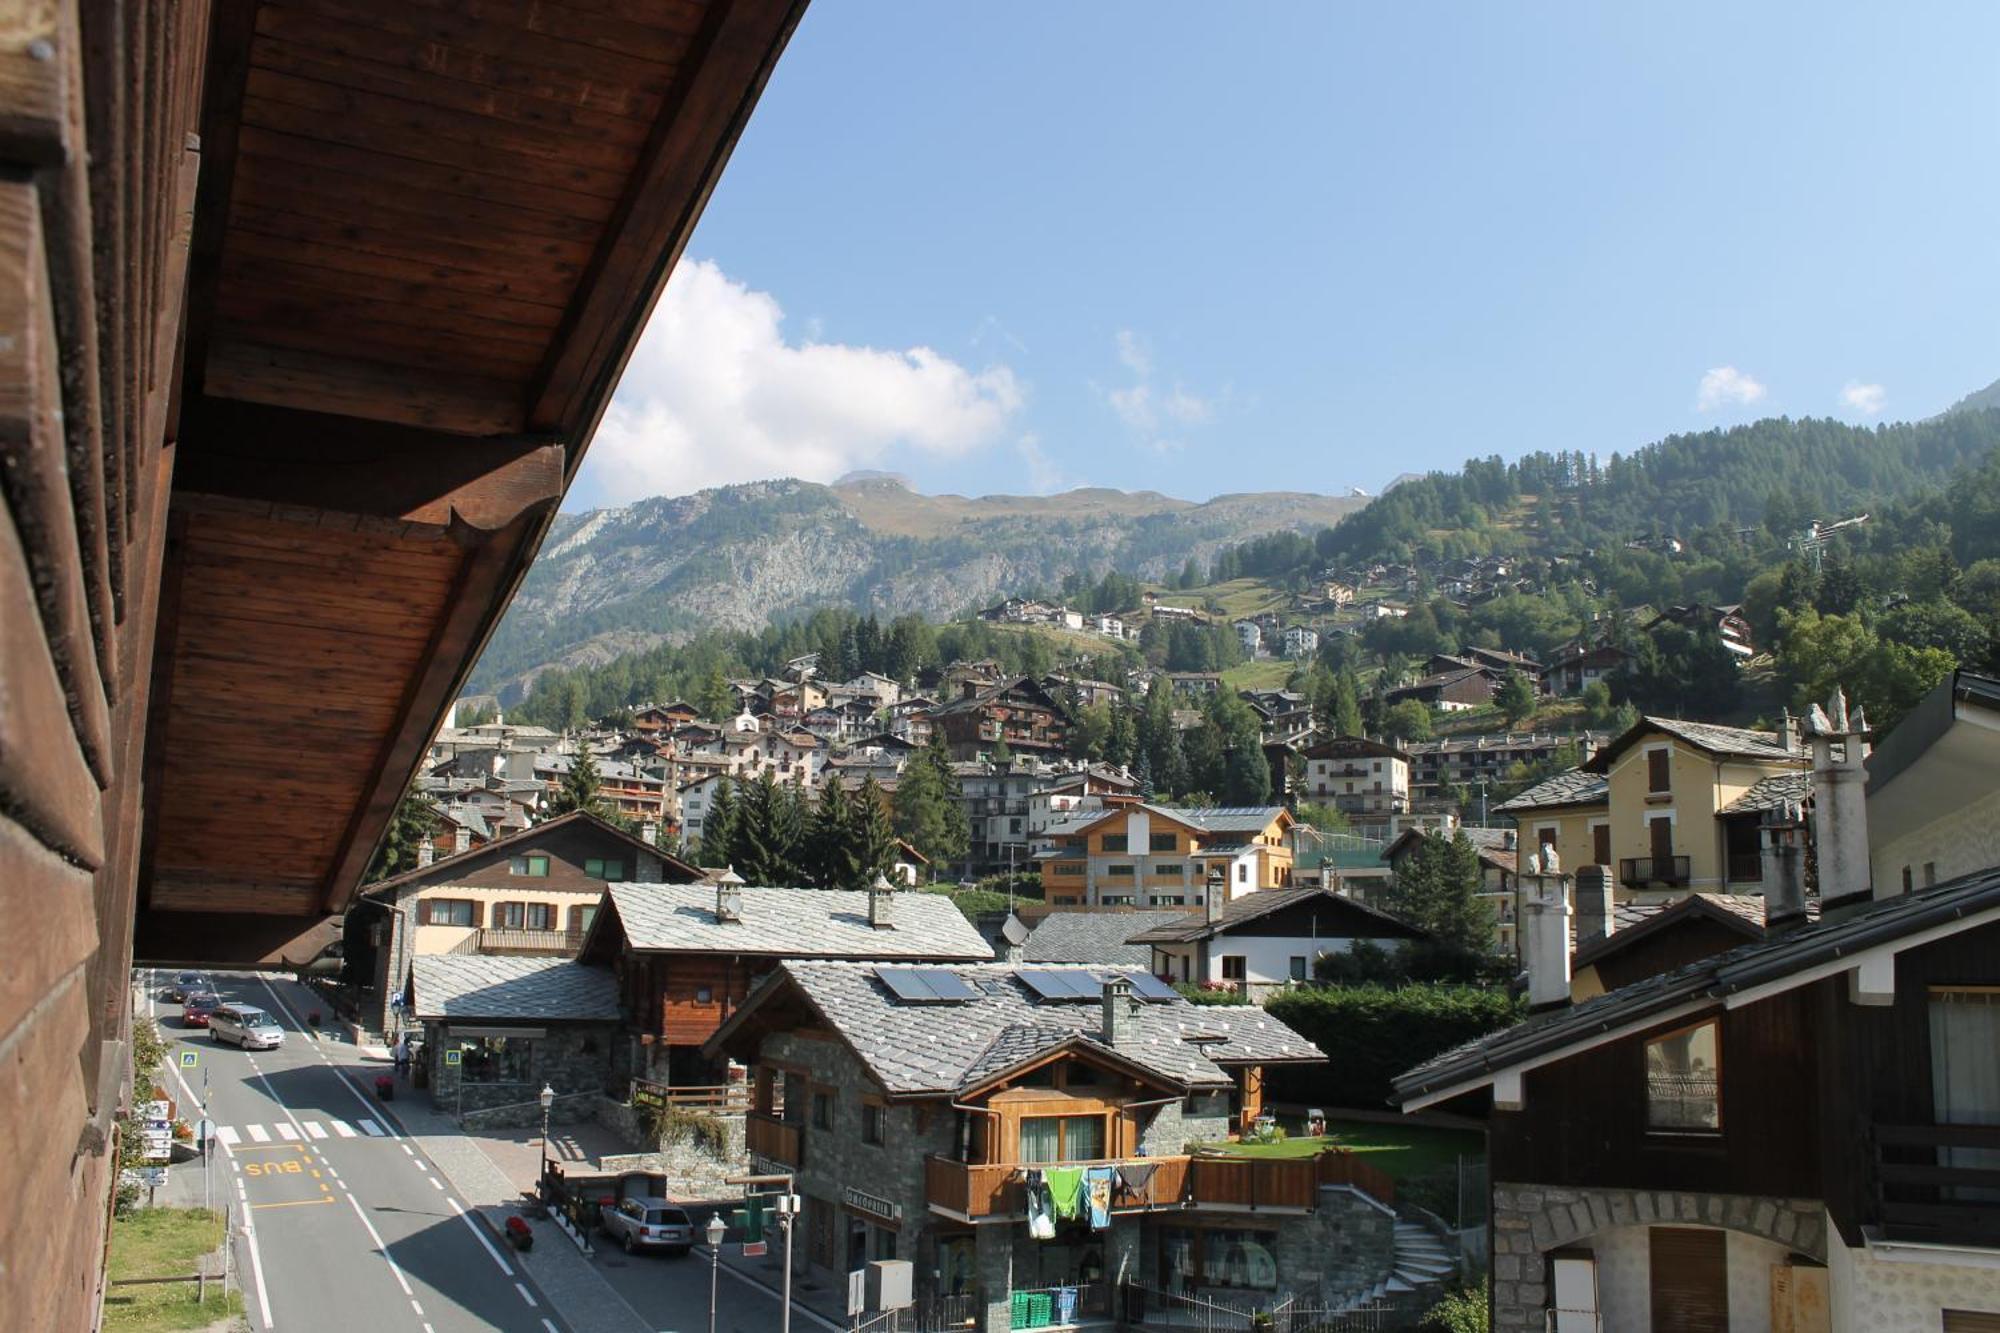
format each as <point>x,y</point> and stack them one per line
<point>586,1302</point>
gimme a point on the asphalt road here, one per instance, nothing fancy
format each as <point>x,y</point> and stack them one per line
<point>350,1226</point>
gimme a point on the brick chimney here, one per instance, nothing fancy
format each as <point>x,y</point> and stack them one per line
<point>1595,900</point>
<point>1117,1007</point>
<point>426,853</point>
<point>1545,932</point>
<point>882,903</point>
<point>1784,868</point>
<point>1840,800</point>
<point>729,896</point>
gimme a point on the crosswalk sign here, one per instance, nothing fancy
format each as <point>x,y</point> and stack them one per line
<point>189,1059</point>
<point>454,1057</point>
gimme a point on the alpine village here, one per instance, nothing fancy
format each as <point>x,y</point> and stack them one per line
<point>1554,894</point>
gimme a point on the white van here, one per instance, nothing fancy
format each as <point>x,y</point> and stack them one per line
<point>246,1026</point>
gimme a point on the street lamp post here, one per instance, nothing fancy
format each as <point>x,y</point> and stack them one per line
<point>548,1099</point>
<point>717,1229</point>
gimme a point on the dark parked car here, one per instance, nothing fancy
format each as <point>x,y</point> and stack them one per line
<point>185,982</point>
<point>196,1007</point>
<point>649,1223</point>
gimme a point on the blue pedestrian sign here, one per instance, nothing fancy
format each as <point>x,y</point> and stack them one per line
<point>189,1059</point>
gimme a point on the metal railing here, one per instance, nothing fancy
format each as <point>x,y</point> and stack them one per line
<point>1639,871</point>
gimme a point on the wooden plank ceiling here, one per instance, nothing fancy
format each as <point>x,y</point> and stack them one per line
<point>426,236</point>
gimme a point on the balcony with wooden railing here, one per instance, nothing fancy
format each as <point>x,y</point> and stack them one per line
<point>1212,1179</point>
<point>1937,1184</point>
<point>775,1140</point>
<point>503,940</point>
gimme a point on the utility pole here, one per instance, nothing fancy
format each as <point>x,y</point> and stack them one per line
<point>787,1207</point>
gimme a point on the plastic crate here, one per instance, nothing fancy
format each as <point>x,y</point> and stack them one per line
<point>1031,1309</point>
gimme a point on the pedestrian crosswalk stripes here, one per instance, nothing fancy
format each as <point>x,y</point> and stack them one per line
<point>313,1131</point>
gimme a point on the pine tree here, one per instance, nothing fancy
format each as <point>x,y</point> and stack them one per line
<point>1346,706</point>
<point>579,789</point>
<point>415,820</point>
<point>715,699</point>
<point>874,837</point>
<point>1516,698</point>
<point>929,813</point>
<point>718,831</point>
<point>831,860</point>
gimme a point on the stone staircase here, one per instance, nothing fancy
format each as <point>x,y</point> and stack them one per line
<point>1416,1274</point>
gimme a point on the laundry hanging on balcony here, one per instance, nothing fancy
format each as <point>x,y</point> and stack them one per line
<point>1065,1185</point>
<point>1137,1177</point>
<point>1097,1195</point>
<point>1041,1213</point>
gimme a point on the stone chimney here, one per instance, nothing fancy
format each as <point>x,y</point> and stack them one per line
<point>649,832</point>
<point>426,853</point>
<point>1544,932</point>
<point>1215,895</point>
<point>461,839</point>
<point>1595,901</point>
<point>1784,868</point>
<point>729,896</point>
<point>1788,732</point>
<point>882,903</point>
<point>1117,1006</point>
<point>1840,800</point>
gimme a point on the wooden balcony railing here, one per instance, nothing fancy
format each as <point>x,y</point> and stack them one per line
<point>975,1189</point>
<point>1938,1183</point>
<point>1253,1182</point>
<point>714,1099</point>
<point>502,940</point>
<point>774,1139</point>
<point>1208,1179</point>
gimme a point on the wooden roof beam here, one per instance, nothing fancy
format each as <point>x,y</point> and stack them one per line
<point>319,469</point>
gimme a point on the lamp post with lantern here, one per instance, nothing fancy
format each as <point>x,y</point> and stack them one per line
<point>715,1231</point>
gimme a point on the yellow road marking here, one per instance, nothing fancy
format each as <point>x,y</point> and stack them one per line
<point>295,1203</point>
<point>316,1176</point>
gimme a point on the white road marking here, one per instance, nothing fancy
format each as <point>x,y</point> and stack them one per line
<point>287,1133</point>
<point>479,1236</point>
<point>408,1151</point>
<point>228,1135</point>
<point>550,1327</point>
<point>522,1288</point>
<point>371,1129</point>
<point>435,1182</point>
<point>314,1129</point>
<point>418,1308</point>
<point>382,1246</point>
<point>342,1128</point>
<point>299,1027</point>
<point>258,1134</point>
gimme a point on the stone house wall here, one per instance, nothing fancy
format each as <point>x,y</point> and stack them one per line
<point>1530,1220</point>
<point>573,1059</point>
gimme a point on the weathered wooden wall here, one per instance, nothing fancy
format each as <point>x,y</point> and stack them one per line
<point>97,109</point>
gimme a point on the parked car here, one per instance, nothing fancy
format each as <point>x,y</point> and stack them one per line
<point>197,1007</point>
<point>185,982</point>
<point>247,1026</point>
<point>649,1223</point>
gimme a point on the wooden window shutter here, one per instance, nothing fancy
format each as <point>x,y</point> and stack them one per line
<point>1690,1280</point>
<point>1970,1321</point>
<point>423,911</point>
<point>1600,844</point>
<point>1658,771</point>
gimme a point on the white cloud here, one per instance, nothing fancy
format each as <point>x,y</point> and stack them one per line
<point>714,394</point>
<point>1867,399</point>
<point>1045,475</point>
<point>1726,386</point>
<point>1144,407</point>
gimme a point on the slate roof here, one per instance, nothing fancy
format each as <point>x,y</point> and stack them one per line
<point>937,1049</point>
<point>790,923</point>
<point>1770,793</point>
<point>479,986</point>
<point>1964,903</point>
<point>1093,937</point>
<point>1736,742</point>
<point>1241,912</point>
<point>1570,787</point>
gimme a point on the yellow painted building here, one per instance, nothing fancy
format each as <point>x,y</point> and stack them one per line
<point>1672,807</point>
<point>1142,855</point>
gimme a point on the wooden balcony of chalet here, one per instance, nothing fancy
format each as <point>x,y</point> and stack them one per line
<point>523,943</point>
<point>776,1140</point>
<point>1937,1184</point>
<point>1215,1179</point>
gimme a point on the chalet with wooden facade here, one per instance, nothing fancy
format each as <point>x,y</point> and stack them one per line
<point>687,956</point>
<point>1137,854</point>
<point>1047,1130</point>
<point>309,321</point>
<point>533,893</point>
<point>1799,1129</point>
<point>1019,712</point>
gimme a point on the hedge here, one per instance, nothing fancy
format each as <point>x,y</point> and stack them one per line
<point>1372,1033</point>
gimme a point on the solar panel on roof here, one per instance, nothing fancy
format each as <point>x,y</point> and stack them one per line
<point>1149,987</point>
<point>949,987</point>
<point>1052,984</point>
<point>912,986</point>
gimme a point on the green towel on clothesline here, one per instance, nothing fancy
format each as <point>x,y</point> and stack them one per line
<point>1065,1190</point>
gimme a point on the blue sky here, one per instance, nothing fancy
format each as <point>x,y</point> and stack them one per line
<point>1003,247</point>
